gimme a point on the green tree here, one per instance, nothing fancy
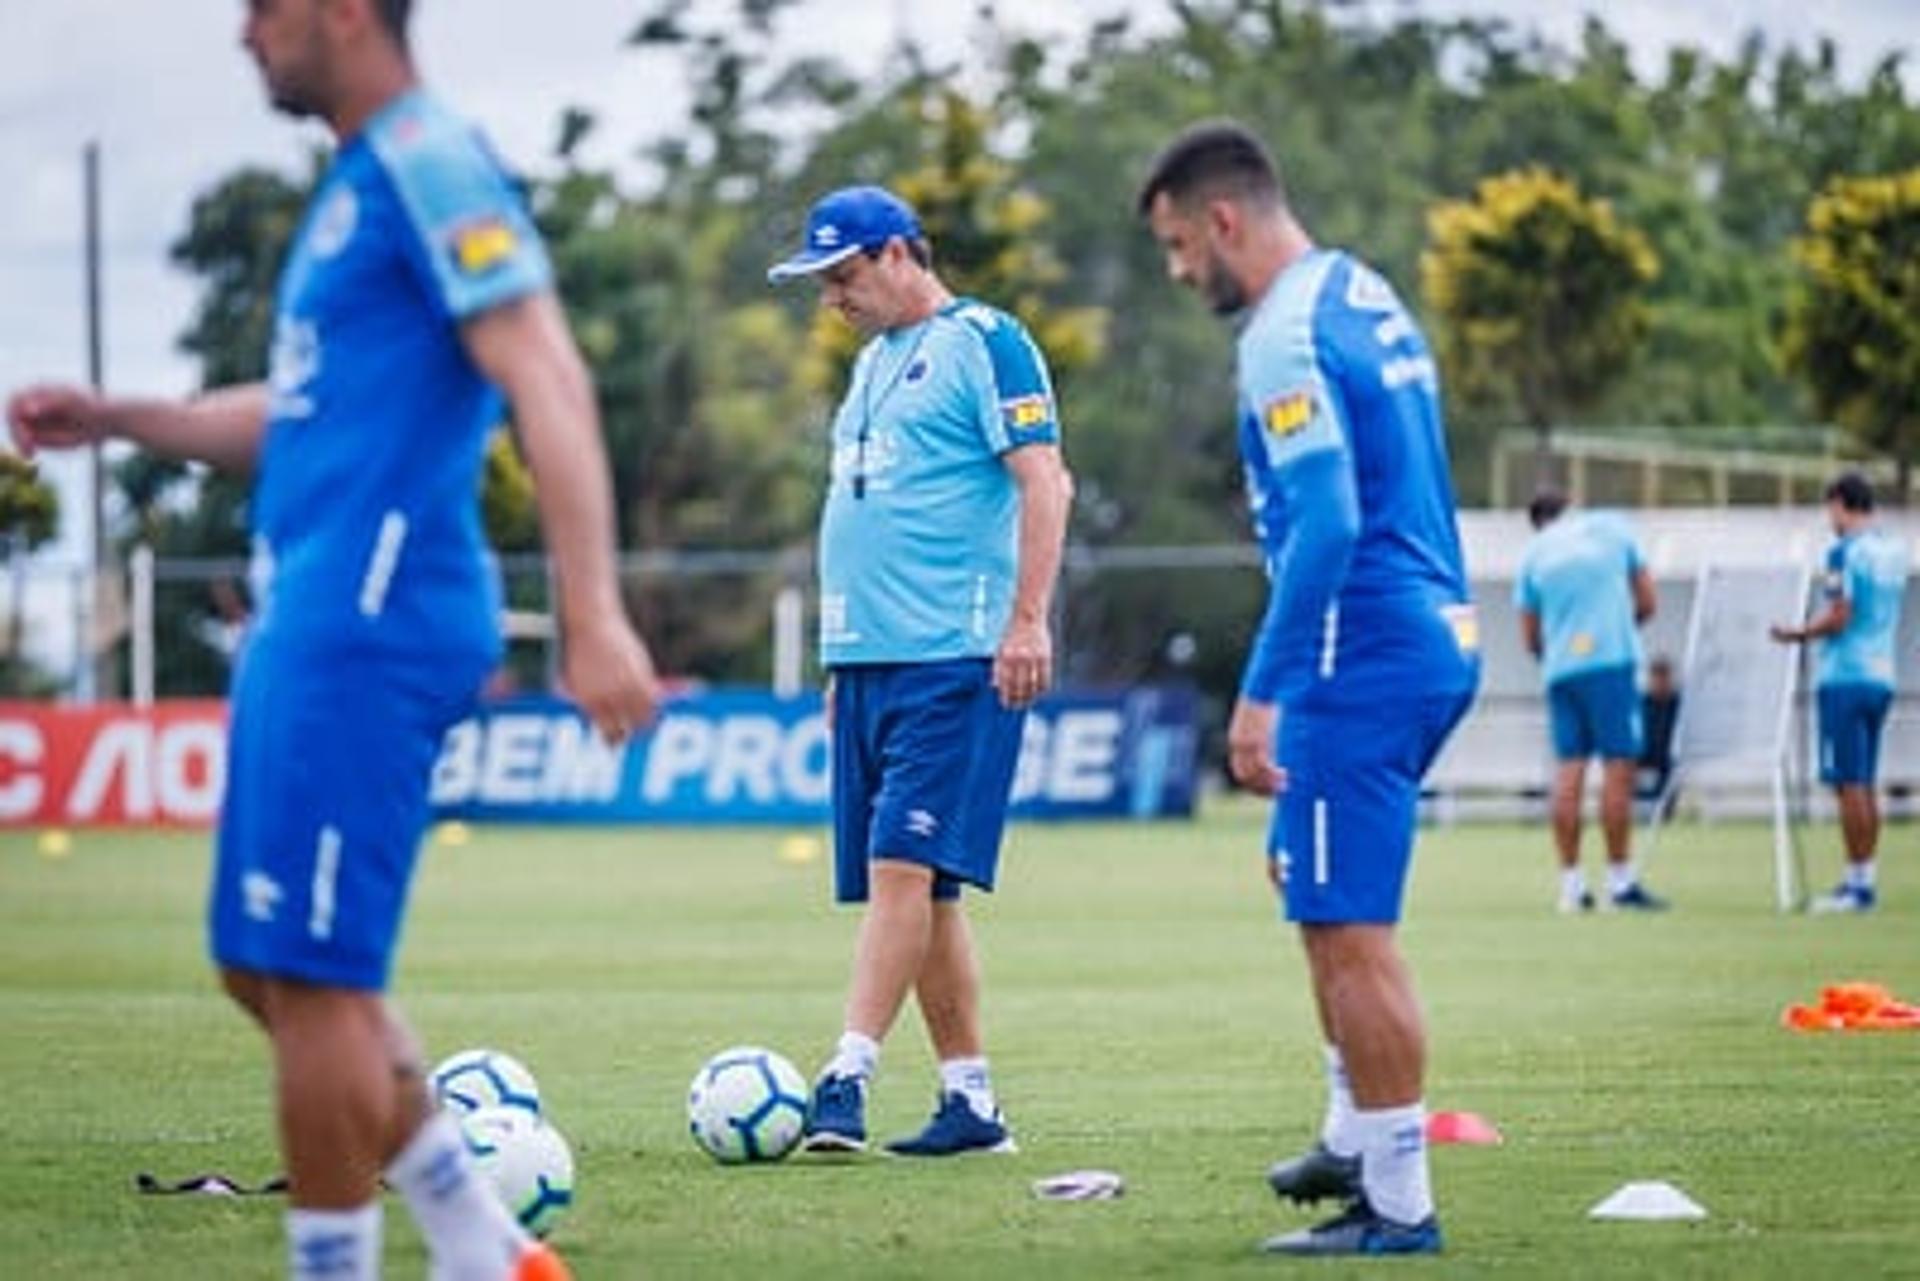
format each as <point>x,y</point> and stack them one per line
<point>29,517</point>
<point>1852,328</point>
<point>1540,294</point>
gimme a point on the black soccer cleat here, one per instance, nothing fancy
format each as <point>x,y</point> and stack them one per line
<point>1316,1175</point>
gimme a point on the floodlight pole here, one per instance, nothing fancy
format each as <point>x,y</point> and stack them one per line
<point>97,670</point>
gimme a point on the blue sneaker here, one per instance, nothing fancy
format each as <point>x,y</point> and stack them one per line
<point>836,1116</point>
<point>1360,1230</point>
<point>1845,898</point>
<point>1637,898</point>
<point>957,1128</point>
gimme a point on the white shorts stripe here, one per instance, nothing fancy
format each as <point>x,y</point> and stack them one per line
<point>380,566</point>
<point>326,873</point>
<point>1321,872</point>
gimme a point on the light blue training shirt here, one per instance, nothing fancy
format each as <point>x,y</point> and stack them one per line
<point>1576,576</point>
<point>918,537</point>
<point>1869,571</point>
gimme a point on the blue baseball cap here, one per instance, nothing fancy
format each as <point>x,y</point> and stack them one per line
<point>844,223</point>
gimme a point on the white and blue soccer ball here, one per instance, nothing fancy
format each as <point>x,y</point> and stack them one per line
<point>747,1104</point>
<point>526,1160</point>
<point>475,1079</point>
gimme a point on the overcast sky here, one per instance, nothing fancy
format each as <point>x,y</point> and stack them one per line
<point>175,104</point>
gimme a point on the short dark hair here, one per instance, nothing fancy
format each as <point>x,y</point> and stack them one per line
<point>919,248</point>
<point>1852,491</point>
<point>394,16</point>
<point>1546,507</point>
<point>1219,158</point>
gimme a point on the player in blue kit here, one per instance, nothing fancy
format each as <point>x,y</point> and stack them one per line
<point>1582,592</point>
<point>1854,675</point>
<point>1365,660</point>
<point>940,541</point>
<point>416,292</point>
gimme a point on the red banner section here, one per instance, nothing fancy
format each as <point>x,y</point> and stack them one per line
<point>112,764</point>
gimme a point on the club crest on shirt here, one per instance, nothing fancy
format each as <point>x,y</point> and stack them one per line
<point>333,223</point>
<point>1287,413</point>
<point>1027,413</point>
<point>916,371</point>
<point>482,244</point>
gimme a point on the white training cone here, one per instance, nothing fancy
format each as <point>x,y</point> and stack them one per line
<point>1649,1200</point>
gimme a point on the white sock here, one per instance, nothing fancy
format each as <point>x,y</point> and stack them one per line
<point>334,1245</point>
<point>857,1055</point>
<point>1620,877</point>
<point>1393,1162</point>
<point>1572,884</point>
<point>469,1233</point>
<point>1860,876</point>
<point>970,1079</point>
<point>1336,1128</point>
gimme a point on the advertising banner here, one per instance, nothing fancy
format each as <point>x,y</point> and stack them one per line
<point>718,756</point>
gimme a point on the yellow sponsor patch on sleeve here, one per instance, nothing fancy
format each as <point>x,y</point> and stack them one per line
<point>1464,622</point>
<point>1285,415</point>
<point>479,247</point>
<point>1026,412</point>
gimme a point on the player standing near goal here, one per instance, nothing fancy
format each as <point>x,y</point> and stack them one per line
<point>1582,592</point>
<point>940,541</point>
<point>416,287</point>
<point>1367,655</point>
<point>1854,676</point>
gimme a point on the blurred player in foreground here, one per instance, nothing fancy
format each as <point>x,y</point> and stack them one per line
<point>1854,676</point>
<point>416,287</point>
<point>1582,592</point>
<point>1367,656</point>
<point>940,541</point>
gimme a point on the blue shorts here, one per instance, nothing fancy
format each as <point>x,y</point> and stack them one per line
<point>328,773</point>
<point>923,760</point>
<point>1596,713</point>
<point>1851,720</point>
<point>1343,829</point>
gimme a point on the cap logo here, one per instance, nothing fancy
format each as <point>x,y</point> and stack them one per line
<point>826,235</point>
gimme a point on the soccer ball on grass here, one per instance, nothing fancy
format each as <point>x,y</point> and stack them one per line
<point>527,1161</point>
<point>747,1104</point>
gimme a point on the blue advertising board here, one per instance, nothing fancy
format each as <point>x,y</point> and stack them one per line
<point>745,756</point>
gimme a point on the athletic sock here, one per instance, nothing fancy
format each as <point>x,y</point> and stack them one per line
<point>1336,1128</point>
<point>1860,876</point>
<point>338,1245</point>
<point>970,1079</point>
<point>1393,1161</point>
<point>1572,885</point>
<point>1620,877</point>
<point>857,1055</point>
<point>469,1233</point>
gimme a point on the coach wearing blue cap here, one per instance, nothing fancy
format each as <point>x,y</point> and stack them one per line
<point>940,541</point>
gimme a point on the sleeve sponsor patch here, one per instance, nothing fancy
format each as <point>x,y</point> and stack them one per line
<point>1027,413</point>
<point>1286,414</point>
<point>483,244</point>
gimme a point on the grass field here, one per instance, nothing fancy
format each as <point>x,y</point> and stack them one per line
<point>1146,1014</point>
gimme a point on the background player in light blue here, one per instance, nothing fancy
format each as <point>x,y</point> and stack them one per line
<point>1583,592</point>
<point>940,541</point>
<point>1367,656</point>
<point>415,288</point>
<point>1854,675</point>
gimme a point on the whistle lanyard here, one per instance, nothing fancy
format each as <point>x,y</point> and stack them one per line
<point>869,406</point>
